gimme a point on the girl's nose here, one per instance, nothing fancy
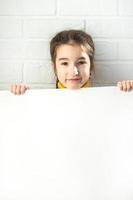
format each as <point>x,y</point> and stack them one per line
<point>76,71</point>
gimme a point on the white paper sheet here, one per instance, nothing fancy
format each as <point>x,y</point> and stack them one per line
<point>66,144</point>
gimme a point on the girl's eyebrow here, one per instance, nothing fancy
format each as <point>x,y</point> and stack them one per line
<point>63,59</point>
<point>82,58</point>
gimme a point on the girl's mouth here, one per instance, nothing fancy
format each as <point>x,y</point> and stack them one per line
<point>74,79</point>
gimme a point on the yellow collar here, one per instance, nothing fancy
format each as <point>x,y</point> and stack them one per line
<point>60,86</point>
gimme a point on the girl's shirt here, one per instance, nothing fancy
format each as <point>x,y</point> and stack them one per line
<point>60,86</point>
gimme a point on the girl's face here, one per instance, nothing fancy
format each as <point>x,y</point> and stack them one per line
<point>72,65</point>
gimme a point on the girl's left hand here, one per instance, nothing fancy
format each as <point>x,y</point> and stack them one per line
<point>125,85</point>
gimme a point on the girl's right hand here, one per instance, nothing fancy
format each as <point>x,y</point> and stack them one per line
<point>125,85</point>
<point>18,89</point>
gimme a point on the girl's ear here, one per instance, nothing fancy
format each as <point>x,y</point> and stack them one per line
<point>92,69</point>
<point>92,65</point>
<point>90,76</point>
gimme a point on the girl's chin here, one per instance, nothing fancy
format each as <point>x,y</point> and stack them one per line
<point>73,86</point>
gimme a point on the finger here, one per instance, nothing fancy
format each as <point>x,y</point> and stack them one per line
<point>119,85</point>
<point>18,89</point>
<point>131,83</point>
<point>128,85</point>
<point>13,89</point>
<point>124,86</point>
<point>23,89</point>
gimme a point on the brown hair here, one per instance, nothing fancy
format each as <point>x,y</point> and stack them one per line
<point>70,37</point>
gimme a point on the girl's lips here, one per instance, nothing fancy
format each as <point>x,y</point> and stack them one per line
<point>74,79</point>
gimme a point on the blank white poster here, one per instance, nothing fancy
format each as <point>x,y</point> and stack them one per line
<point>66,144</point>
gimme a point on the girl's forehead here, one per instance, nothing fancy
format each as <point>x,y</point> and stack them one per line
<point>70,50</point>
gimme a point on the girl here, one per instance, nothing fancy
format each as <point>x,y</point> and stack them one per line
<point>72,54</point>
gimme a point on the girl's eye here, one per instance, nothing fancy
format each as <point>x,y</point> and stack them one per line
<point>64,63</point>
<point>81,63</point>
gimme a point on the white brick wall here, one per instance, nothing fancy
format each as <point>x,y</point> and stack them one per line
<point>26,26</point>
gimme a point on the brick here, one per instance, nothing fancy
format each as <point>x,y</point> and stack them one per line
<point>106,50</point>
<point>108,28</point>
<point>126,7</point>
<point>11,49</point>
<point>107,73</point>
<point>27,7</point>
<point>38,72</point>
<point>10,27</point>
<point>10,72</point>
<point>36,50</point>
<point>85,7</point>
<point>24,49</point>
<point>126,50</point>
<point>46,28</point>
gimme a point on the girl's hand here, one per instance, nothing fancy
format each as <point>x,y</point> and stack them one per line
<point>18,89</point>
<point>125,85</point>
